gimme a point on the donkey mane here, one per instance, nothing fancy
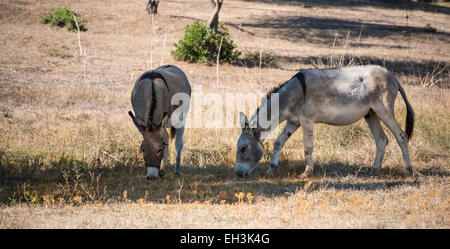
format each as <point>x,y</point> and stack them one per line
<point>298,75</point>
<point>275,89</point>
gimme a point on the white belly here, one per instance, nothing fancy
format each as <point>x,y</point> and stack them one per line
<point>340,115</point>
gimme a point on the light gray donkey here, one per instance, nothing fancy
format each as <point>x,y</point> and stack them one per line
<point>155,100</point>
<point>336,96</point>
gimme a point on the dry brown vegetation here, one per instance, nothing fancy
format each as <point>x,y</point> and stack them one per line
<point>69,154</point>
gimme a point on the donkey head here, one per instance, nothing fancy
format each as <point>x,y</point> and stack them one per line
<point>249,148</point>
<point>153,145</point>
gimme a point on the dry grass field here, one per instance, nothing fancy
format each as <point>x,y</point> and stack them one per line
<point>69,153</point>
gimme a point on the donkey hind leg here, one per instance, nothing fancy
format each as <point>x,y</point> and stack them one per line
<point>388,119</point>
<point>308,128</point>
<point>178,149</point>
<point>288,130</point>
<point>381,140</point>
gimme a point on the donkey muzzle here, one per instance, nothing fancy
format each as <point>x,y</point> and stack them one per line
<point>242,170</point>
<point>153,171</point>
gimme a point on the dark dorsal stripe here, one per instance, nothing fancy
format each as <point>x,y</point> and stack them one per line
<point>153,75</point>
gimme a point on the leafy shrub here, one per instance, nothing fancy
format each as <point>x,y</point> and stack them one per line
<point>63,17</point>
<point>200,44</point>
<point>430,29</point>
<point>267,59</point>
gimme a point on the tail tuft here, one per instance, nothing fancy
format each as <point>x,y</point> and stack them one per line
<point>409,127</point>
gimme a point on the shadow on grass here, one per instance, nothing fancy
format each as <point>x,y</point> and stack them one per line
<point>385,4</point>
<point>238,27</point>
<point>250,63</point>
<point>328,30</point>
<point>408,68</point>
<point>94,182</point>
<point>323,30</point>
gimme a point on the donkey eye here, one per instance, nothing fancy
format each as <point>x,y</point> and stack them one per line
<point>243,149</point>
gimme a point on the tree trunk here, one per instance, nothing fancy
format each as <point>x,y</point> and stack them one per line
<point>152,6</point>
<point>214,20</point>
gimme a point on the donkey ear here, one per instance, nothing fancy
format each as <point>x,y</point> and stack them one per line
<point>243,120</point>
<point>162,128</point>
<point>164,120</point>
<point>140,127</point>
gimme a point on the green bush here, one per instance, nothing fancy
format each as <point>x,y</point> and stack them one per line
<point>63,17</point>
<point>267,59</point>
<point>200,44</point>
<point>429,29</point>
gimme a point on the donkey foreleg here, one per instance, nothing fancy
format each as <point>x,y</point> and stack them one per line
<point>165,160</point>
<point>308,128</point>
<point>178,149</point>
<point>288,130</point>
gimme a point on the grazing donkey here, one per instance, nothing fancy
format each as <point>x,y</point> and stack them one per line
<point>154,100</point>
<point>336,96</point>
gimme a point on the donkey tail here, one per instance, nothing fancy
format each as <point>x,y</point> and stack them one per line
<point>409,127</point>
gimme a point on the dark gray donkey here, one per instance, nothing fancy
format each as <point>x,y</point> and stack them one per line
<point>160,100</point>
<point>337,96</point>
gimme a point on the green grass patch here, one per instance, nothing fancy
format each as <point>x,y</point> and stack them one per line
<point>266,58</point>
<point>61,53</point>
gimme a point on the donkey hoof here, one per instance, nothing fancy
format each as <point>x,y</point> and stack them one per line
<point>409,172</point>
<point>270,172</point>
<point>374,172</point>
<point>307,174</point>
